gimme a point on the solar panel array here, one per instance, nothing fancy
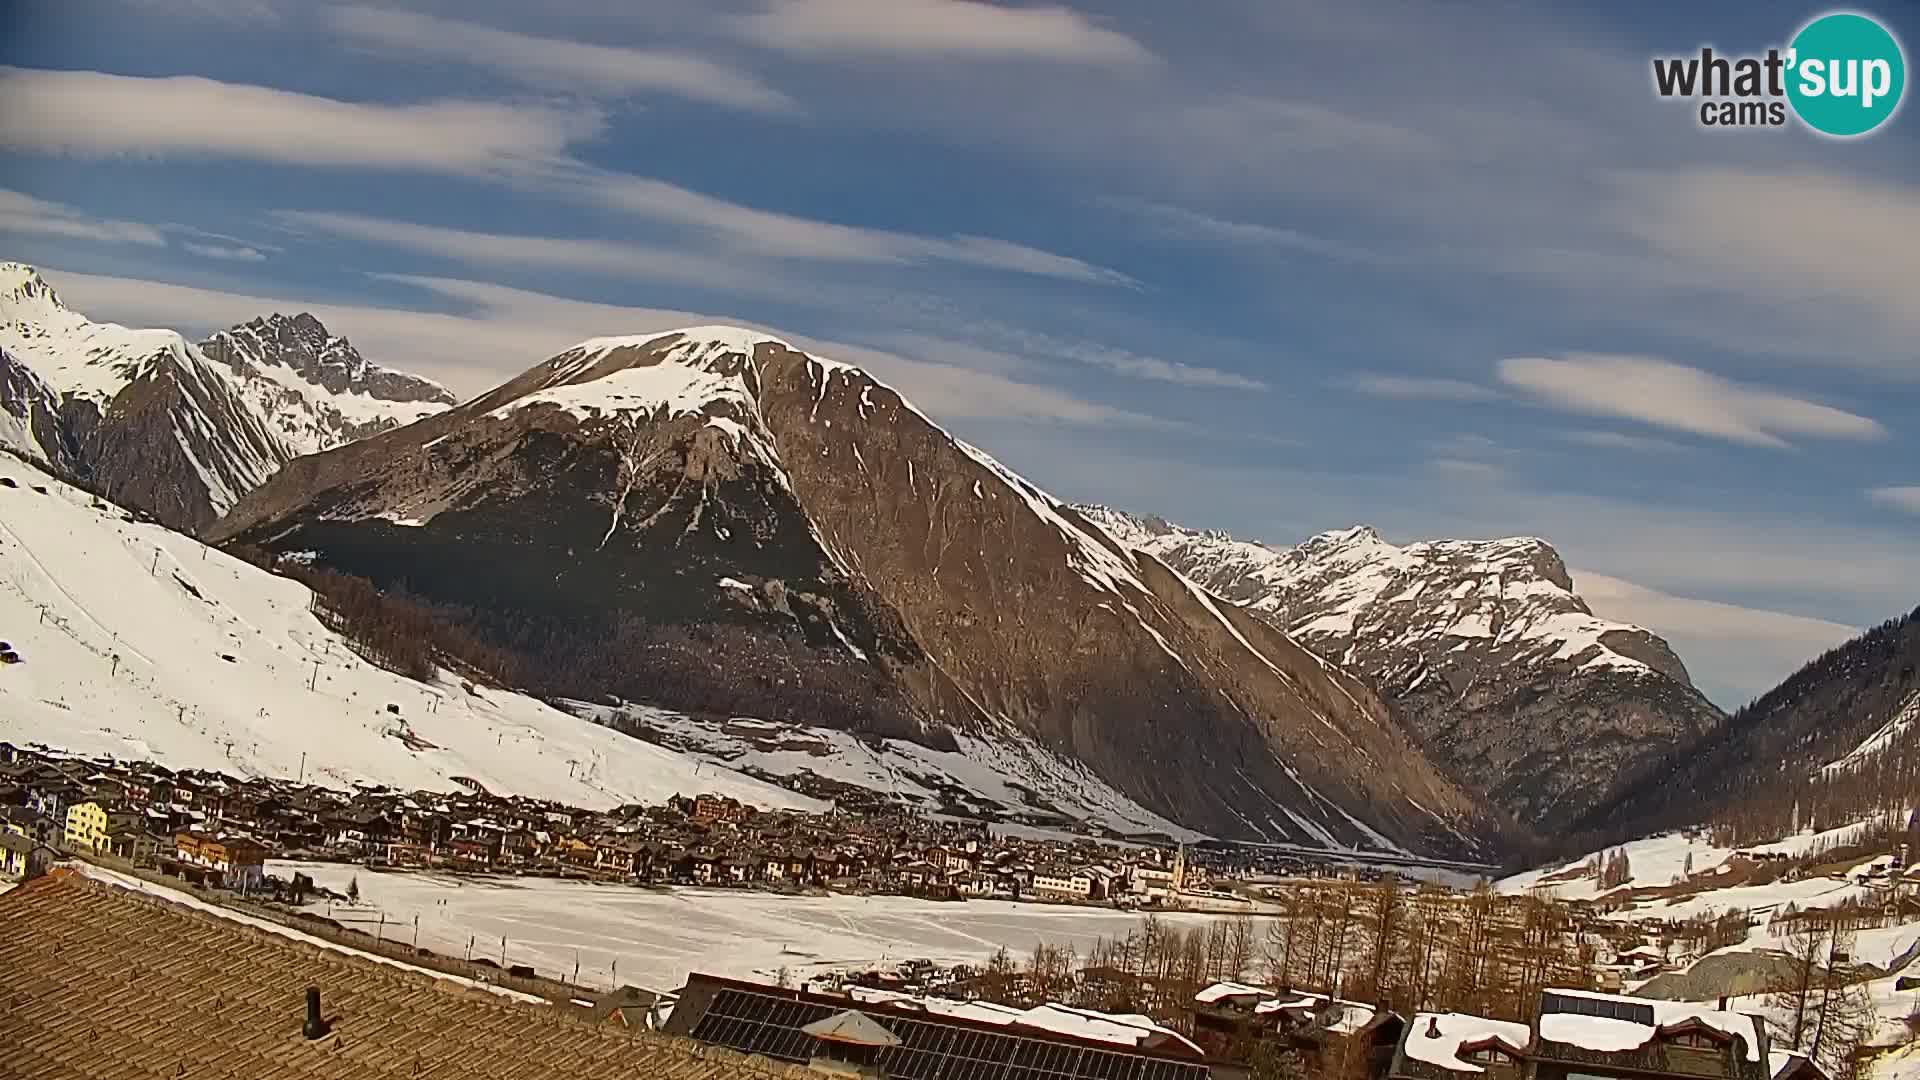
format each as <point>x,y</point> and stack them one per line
<point>929,1050</point>
<point>1634,1011</point>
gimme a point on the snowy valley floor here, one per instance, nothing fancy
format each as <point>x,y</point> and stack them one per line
<point>658,937</point>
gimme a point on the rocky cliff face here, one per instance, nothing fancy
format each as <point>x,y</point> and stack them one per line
<point>148,421</point>
<point>712,520</point>
<point>1483,647</point>
<point>30,423</point>
<point>315,388</point>
<point>160,425</point>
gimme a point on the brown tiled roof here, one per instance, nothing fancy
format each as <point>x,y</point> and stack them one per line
<point>102,982</point>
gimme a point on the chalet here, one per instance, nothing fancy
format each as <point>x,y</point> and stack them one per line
<point>53,799</point>
<point>1452,1046</point>
<point>711,808</point>
<point>479,852</point>
<point>402,854</point>
<point>130,840</point>
<point>229,860</point>
<point>357,829</point>
<point>1582,1035</point>
<point>21,821</point>
<point>1332,1035</point>
<point>621,856</point>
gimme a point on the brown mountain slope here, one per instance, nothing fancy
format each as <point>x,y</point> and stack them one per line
<point>711,519</point>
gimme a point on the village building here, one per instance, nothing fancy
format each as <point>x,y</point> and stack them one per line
<point>1234,1022</point>
<point>1581,1034</point>
<point>14,851</point>
<point>930,1038</point>
<point>86,826</point>
<point>228,860</point>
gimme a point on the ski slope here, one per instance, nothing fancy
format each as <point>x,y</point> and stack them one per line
<point>141,643</point>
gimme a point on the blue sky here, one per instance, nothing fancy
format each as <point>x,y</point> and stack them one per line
<point>1268,267</point>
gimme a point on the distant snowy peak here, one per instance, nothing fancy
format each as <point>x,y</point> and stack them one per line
<point>315,388</point>
<point>22,288</point>
<point>1342,590</point>
<point>1483,645</point>
<point>302,343</point>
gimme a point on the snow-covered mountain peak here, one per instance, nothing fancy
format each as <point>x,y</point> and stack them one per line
<point>314,387</point>
<point>76,356</point>
<point>1477,640</point>
<point>22,287</point>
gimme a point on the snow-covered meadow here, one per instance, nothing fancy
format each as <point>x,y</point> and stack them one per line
<point>657,937</point>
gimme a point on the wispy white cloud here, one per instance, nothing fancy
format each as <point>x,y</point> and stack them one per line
<point>1902,497</point>
<point>770,233</point>
<point>1734,651</point>
<point>941,28</point>
<point>1119,361</point>
<point>510,249</point>
<point>1794,236</point>
<point>558,64</point>
<point>1422,388</point>
<point>1681,398</point>
<point>94,114</point>
<point>497,332</point>
<point>99,115</point>
<point>237,11</point>
<point>228,252</point>
<point>1188,225</point>
<point>1619,440</point>
<point>23,213</point>
<point>1468,470</point>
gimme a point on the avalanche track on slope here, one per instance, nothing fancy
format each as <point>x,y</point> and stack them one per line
<point>139,642</point>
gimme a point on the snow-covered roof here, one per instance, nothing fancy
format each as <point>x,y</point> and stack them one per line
<point>1221,991</point>
<point>1436,1038</point>
<point>1120,1029</point>
<point>1779,1062</point>
<point>1607,1034</point>
<point>1354,1015</point>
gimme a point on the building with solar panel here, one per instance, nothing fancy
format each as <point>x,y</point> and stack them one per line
<point>1583,1035</point>
<point>899,1038</point>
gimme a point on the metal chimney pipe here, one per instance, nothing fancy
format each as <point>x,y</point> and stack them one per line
<point>315,1028</point>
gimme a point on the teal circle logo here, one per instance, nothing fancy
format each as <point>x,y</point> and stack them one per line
<point>1845,74</point>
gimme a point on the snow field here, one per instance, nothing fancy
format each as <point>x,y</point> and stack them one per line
<point>142,643</point>
<point>657,937</point>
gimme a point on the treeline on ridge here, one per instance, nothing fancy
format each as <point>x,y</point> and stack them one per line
<point>1759,774</point>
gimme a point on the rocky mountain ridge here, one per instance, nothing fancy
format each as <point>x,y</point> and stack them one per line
<point>1493,660</point>
<point>177,430</point>
<point>316,387</point>
<point>718,522</point>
